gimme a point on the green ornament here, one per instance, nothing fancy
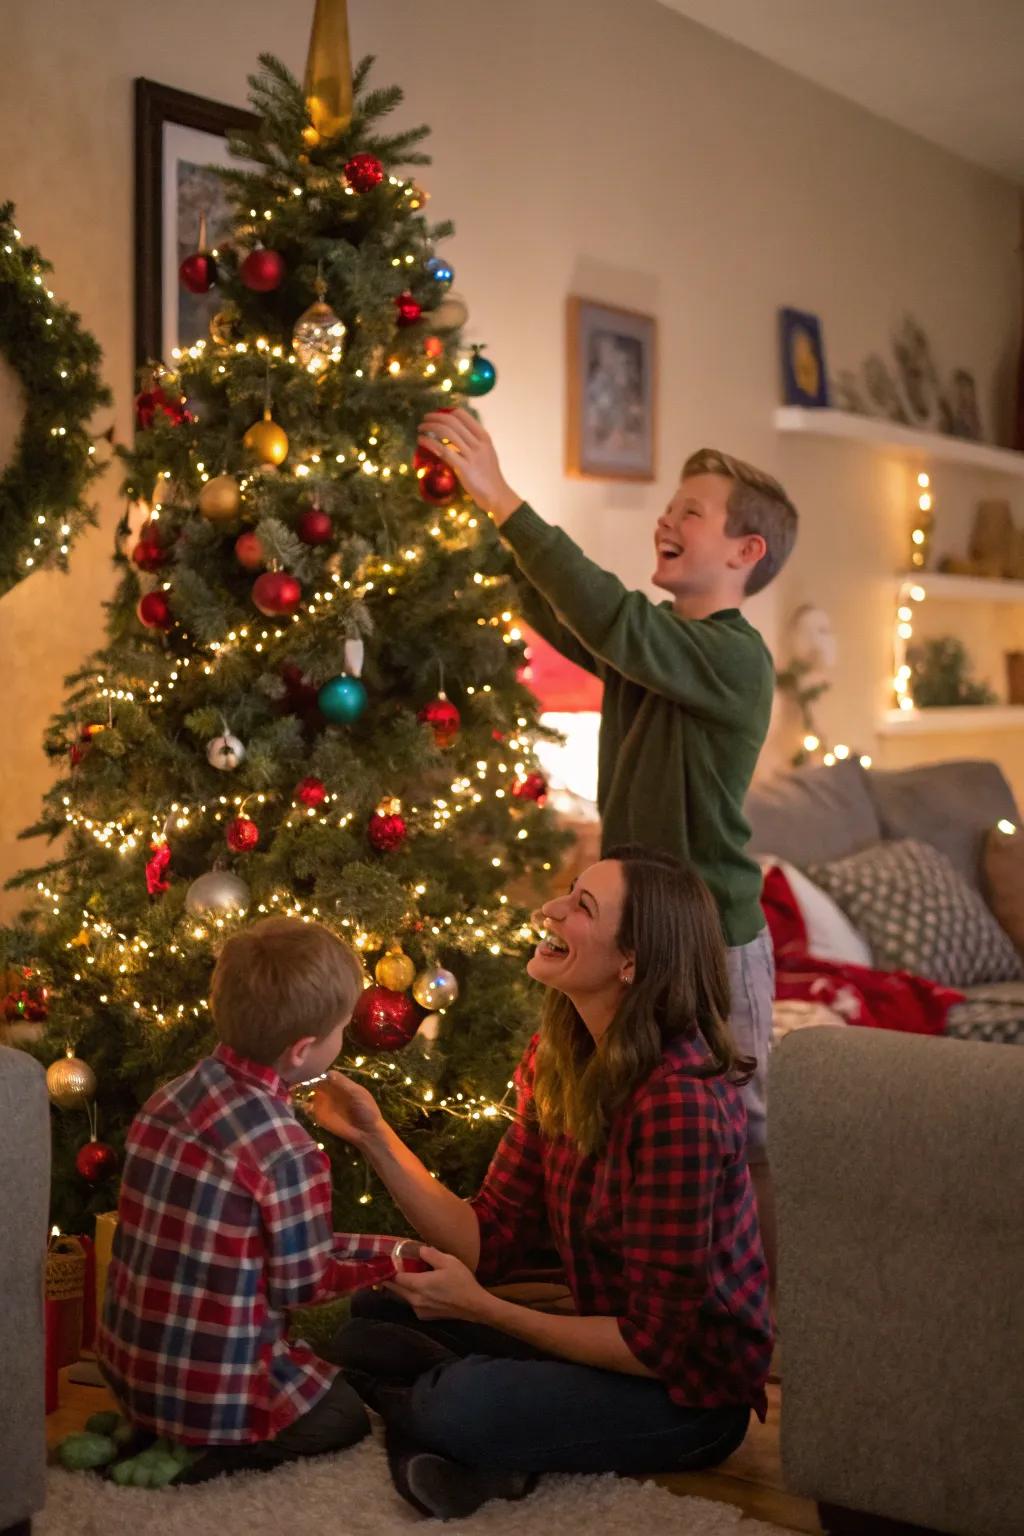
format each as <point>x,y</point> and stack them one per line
<point>482,375</point>
<point>342,700</point>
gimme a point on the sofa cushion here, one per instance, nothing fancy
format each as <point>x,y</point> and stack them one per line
<point>950,805</point>
<point>1004,879</point>
<point>994,1014</point>
<point>830,934</point>
<point>816,814</point>
<point>917,914</point>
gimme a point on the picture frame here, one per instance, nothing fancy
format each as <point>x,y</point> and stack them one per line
<point>177,137</point>
<point>802,354</point>
<point>611,412</point>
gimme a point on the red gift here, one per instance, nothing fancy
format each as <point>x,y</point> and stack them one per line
<point>66,1266</point>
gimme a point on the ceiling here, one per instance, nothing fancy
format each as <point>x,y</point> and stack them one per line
<point>949,70</point>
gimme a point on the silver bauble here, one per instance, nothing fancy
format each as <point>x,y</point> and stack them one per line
<point>435,988</point>
<point>318,338</point>
<point>449,315</point>
<point>224,752</point>
<point>70,1082</point>
<point>219,891</point>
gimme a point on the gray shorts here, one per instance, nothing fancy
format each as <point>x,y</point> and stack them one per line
<point>752,985</point>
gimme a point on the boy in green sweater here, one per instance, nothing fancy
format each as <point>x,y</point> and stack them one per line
<point>688,688</point>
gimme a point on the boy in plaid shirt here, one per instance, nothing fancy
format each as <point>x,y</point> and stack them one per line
<point>224,1223</point>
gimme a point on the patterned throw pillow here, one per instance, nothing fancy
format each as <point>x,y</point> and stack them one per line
<point>918,914</point>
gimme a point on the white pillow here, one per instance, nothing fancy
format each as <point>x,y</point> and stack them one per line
<point>830,934</point>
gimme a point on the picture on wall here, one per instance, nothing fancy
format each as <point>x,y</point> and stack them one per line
<point>804,380</point>
<point>612,384</point>
<point>178,138</point>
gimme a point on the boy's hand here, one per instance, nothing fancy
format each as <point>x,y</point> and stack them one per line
<point>447,1289</point>
<point>347,1109</point>
<point>460,440</point>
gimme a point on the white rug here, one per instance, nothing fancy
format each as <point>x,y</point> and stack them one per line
<point>350,1494</point>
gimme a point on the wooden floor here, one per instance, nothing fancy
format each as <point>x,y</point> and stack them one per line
<point>752,1479</point>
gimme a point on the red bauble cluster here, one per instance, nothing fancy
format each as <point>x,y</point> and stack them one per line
<point>96,1161</point>
<point>276,594</point>
<point>262,270</point>
<point>311,792</point>
<point>407,309</point>
<point>363,173</point>
<point>154,611</point>
<point>533,787</point>
<point>443,718</point>
<point>149,401</point>
<point>242,834</point>
<point>314,526</point>
<point>198,272</point>
<point>149,554</point>
<point>383,1020</point>
<point>387,830</point>
<point>23,1002</point>
<point>249,551</point>
<point>439,485</point>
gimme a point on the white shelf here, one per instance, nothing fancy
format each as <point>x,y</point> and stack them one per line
<point>965,717</point>
<point>889,434</point>
<point>966,589</point>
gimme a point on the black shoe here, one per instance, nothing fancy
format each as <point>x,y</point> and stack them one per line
<point>387,1352</point>
<point>446,1490</point>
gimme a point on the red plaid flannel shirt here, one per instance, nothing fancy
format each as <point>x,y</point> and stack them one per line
<point>224,1225</point>
<point>658,1231</point>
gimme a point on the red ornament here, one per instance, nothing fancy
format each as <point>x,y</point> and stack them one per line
<point>198,272</point>
<point>386,829</point>
<point>149,401</point>
<point>275,593</point>
<point>533,787</point>
<point>96,1161</point>
<point>314,526</point>
<point>443,718</point>
<point>149,554</point>
<point>383,1020</point>
<point>262,270</point>
<point>242,834</point>
<point>439,484</point>
<point>311,792</point>
<point>154,611</point>
<point>249,551</point>
<point>300,695</point>
<point>24,1002</point>
<point>409,309</point>
<point>157,867</point>
<point>433,346</point>
<point>363,173</point>
<point>425,458</point>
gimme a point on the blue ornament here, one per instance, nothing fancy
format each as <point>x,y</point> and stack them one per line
<point>482,376</point>
<point>342,700</point>
<point>440,271</point>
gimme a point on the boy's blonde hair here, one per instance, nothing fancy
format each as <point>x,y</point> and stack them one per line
<point>757,504</point>
<point>279,981</point>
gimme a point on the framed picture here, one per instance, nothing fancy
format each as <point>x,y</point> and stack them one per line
<point>178,137</point>
<point>804,380</point>
<point>612,383</point>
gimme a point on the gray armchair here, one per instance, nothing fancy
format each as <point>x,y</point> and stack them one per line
<point>24,1205</point>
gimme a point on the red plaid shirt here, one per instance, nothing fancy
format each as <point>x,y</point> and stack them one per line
<point>224,1224</point>
<point>658,1231</point>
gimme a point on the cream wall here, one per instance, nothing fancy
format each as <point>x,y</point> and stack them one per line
<point>604,147</point>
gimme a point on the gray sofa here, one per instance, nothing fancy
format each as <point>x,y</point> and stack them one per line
<point>899,1176</point>
<point>820,814</point>
<point>24,1205</point>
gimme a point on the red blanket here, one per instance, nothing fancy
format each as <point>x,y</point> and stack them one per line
<point>881,999</point>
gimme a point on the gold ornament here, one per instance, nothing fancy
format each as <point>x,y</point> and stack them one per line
<point>219,499</point>
<point>328,82</point>
<point>70,1082</point>
<point>318,335</point>
<point>417,197</point>
<point>266,441</point>
<point>225,326</point>
<point>395,970</point>
<point>81,938</point>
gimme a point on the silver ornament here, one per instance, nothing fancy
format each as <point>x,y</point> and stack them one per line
<point>318,337</point>
<point>224,752</point>
<point>219,891</point>
<point>435,988</point>
<point>70,1082</point>
<point>429,1029</point>
<point>450,314</point>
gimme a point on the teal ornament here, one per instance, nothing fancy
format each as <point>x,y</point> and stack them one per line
<point>342,700</point>
<point>482,375</point>
<point>441,272</point>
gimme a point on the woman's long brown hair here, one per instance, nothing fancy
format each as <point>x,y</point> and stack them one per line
<point>681,988</point>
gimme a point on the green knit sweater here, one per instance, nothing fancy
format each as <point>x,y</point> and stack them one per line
<point>685,713</point>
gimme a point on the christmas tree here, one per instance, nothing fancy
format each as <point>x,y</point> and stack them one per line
<point>308,700</point>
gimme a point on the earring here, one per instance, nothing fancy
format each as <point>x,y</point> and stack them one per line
<point>627,978</point>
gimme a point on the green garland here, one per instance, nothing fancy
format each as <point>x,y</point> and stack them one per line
<point>42,489</point>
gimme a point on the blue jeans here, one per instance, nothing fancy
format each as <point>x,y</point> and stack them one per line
<point>499,1404</point>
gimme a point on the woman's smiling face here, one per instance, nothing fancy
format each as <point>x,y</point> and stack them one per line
<point>579,954</point>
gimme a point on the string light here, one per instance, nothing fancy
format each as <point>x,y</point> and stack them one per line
<point>911,594</point>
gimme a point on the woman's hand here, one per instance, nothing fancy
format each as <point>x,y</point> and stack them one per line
<point>347,1109</point>
<point>464,445</point>
<point>449,1289</point>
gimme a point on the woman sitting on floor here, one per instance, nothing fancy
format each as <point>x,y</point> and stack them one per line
<point>627,1155</point>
